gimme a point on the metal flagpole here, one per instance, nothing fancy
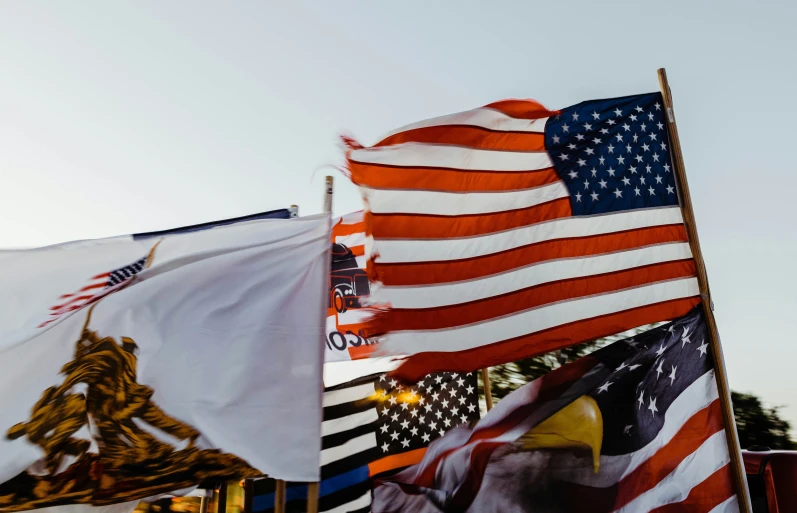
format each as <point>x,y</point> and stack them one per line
<point>708,306</point>
<point>312,488</point>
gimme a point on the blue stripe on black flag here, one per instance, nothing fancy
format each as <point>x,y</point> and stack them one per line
<point>282,213</point>
<point>327,487</point>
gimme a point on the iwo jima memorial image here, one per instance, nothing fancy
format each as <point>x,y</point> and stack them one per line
<point>123,453</point>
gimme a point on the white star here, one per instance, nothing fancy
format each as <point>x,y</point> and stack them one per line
<point>594,172</point>
<point>660,350</point>
<point>578,197</point>
<point>556,139</point>
<point>571,146</point>
<point>471,407</point>
<point>621,367</point>
<point>652,191</point>
<point>633,118</point>
<point>394,436</point>
<point>420,384</point>
<point>427,407</point>
<point>575,116</point>
<point>587,126</point>
<point>670,190</point>
<point>435,396</point>
<point>604,131</point>
<point>655,157</point>
<point>660,369</point>
<point>442,432</point>
<point>463,418</point>
<point>672,374</point>
<point>579,137</point>
<point>667,167</point>
<point>454,411</point>
<point>433,426</point>
<point>658,107</point>
<point>573,175</point>
<point>405,443</point>
<point>461,382</point>
<point>393,383</point>
<point>652,406</point>
<point>618,193</point>
<point>636,190</point>
<point>663,147</point>
<point>405,424</point>
<point>605,387</point>
<point>610,171</point>
<point>594,196</point>
<point>619,137</point>
<point>469,389</point>
<point>421,420</point>
<point>447,422</point>
<point>626,127</point>
<point>648,168</point>
<point>642,180</point>
<point>445,403</point>
<point>425,438</point>
<point>404,406</point>
<point>565,128</point>
<point>453,392</point>
<point>621,160</point>
<point>589,151</point>
<point>414,431</point>
<point>618,112</point>
<point>384,428</point>
<point>643,127</point>
<point>611,148</point>
<point>627,430</point>
<point>414,413</point>
<point>702,348</point>
<point>596,140</point>
<point>421,400</point>
<point>636,138</point>
<point>610,121</point>
<point>602,161</point>
<point>595,115</point>
<point>652,136</point>
<point>438,379</point>
<point>603,183</point>
<point>581,162</point>
<point>443,386</point>
<point>626,181</point>
<point>641,399</point>
<point>658,179</point>
<point>395,417</point>
<point>650,116</point>
<point>638,108</point>
<point>439,414</point>
<point>644,147</point>
<point>632,169</point>
<point>659,125</point>
<point>633,367</point>
<point>385,447</point>
<point>685,337</point>
<point>462,400</point>
<point>586,184</point>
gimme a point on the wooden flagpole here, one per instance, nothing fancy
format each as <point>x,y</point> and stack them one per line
<point>312,488</point>
<point>488,393</point>
<point>279,496</point>
<point>740,480</point>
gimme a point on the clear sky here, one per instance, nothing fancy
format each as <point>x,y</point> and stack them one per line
<point>120,117</point>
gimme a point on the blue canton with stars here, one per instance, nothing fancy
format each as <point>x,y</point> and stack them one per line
<point>613,154</point>
<point>646,374</point>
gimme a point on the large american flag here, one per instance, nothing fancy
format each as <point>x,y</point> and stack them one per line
<point>510,230</point>
<point>374,427</point>
<point>662,439</point>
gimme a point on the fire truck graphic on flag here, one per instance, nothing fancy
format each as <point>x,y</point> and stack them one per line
<point>348,289</point>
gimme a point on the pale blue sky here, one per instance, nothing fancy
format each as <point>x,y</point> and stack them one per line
<point>119,117</point>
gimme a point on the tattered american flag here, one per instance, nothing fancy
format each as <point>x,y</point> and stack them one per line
<point>510,230</point>
<point>96,287</point>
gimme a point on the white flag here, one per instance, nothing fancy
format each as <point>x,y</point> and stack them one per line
<point>131,367</point>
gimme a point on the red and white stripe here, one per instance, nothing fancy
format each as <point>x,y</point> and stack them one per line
<point>479,259</point>
<point>96,288</point>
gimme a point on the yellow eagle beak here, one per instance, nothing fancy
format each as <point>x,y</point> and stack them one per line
<point>579,425</point>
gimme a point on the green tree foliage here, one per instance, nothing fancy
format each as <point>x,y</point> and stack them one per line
<point>760,425</point>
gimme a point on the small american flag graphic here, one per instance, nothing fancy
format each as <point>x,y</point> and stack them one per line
<point>97,287</point>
